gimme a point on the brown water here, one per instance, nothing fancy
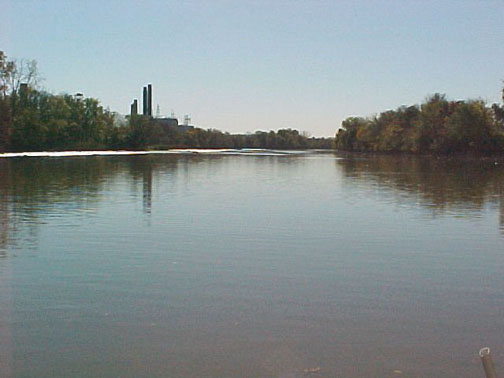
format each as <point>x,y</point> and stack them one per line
<point>268,265</point>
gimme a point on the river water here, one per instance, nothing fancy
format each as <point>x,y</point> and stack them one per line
<point>256,264</point>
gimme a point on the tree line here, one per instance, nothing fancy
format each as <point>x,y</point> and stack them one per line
<point>146,132</point>
<point>437,126</point>
<point>33,120</point>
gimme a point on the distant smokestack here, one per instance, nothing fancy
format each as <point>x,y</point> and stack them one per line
<point>144,101</point>
<point>149,101</point>
<point>134,107</point>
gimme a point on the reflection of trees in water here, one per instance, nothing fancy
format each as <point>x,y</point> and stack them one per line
<point>4,208</point>
<point>6,349</point>
<point>441,184</point>
<point>501,207</point>
<point>4,225</point>
<point>6,346</point>
<point>33,187</point>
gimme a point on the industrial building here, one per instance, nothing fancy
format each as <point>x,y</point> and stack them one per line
<point>166,123</point>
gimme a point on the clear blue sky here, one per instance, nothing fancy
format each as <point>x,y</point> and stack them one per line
<point>241,66</point>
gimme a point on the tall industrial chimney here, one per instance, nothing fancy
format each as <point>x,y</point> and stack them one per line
<point>149,101</point>
<point>145,101</point>
<point>134,107</point>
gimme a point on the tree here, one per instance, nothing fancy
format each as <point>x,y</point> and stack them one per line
<point>5,124</point>
<point>23,72</point>
<point>139,131</point>
<point>438,126</point>
<point>6,69</point>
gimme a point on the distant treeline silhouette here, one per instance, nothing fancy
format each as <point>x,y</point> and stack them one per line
<point>437,126</point>
<point>35,120</point>
<point>144,131</point>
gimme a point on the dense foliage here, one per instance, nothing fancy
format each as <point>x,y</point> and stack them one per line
<point>438,126</point>
<point>34,120</point>
<point>286,139</point>
<point>143,132</point>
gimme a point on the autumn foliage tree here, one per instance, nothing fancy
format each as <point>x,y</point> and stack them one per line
<point>437,126</point>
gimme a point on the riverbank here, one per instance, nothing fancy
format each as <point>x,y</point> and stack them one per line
<point>190,151</point>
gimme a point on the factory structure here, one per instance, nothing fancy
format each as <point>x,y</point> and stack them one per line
<point>166,123</point>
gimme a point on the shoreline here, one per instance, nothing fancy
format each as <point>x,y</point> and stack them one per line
<point>174,151</point>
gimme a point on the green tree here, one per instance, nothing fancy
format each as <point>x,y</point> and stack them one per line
<point>139,132</point>
<point>471,128</point>
<point>6,68</point>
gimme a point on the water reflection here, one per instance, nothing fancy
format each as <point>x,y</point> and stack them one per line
<point>159,259</point>
<point>459,187</point>
<point>501,218</point>
<point>4,208</point>
<point>6,346</point>
<point>33,187</point>
<point>147,190</point>
<point>5,279</point>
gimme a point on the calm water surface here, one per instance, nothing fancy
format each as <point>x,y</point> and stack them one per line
<point>250,266</point>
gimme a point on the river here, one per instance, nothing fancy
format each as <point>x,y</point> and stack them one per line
<point>250,264</point>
